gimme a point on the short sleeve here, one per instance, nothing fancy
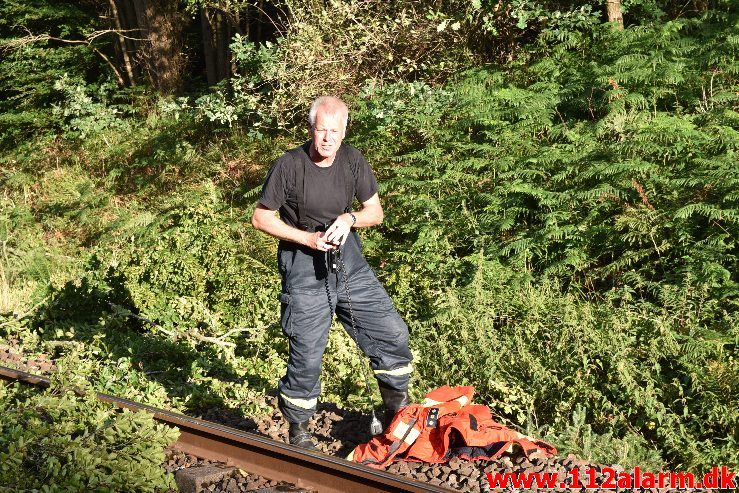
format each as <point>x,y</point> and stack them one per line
<point>276,185</point>
<point>366,185</point>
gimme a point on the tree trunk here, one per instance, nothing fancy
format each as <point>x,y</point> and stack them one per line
<point>613,8</point>
<point>125,47</point>
<point>217,32</point>
<point>260,14</point>
<point>162,22</point>
<point>211,72</point>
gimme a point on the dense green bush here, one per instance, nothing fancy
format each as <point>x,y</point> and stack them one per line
<point>563,236</point>
<point>595,170</point>
<point>190,267</point>
<point>58,440</point>
<point>663,377</point>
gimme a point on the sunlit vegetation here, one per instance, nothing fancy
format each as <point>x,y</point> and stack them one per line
<point>561,215</point>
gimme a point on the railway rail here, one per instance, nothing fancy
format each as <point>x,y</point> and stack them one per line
<point>259,455</point>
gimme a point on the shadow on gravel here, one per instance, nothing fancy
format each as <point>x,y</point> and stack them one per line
<point>349,428</point>
<point>228,417</point>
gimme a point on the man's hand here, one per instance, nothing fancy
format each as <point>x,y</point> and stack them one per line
<point>317,241</point>
<point>265,219</point>
<point>339,230</point>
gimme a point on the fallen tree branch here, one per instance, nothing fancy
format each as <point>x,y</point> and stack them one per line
<point>213,340</point>
<point>219,341</point>
<point>18,316</point>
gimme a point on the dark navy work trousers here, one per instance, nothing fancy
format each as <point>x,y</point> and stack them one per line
<point>310,296</point>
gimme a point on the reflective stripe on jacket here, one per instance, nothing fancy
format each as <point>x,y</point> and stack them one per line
<point>445,425</point>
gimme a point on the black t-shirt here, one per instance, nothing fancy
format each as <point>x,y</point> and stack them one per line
<point>325,188</point>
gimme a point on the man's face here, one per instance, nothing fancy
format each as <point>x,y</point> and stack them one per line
<point>328,132</point>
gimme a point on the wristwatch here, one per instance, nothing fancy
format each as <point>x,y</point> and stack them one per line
<point>354,219</point>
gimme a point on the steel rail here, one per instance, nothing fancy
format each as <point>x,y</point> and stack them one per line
<point>260,455</point>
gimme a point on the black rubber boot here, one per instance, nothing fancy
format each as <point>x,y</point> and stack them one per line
<point>301,437</point>
<point>393,400</point>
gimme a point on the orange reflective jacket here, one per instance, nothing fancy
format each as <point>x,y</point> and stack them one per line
<point>446,425</point>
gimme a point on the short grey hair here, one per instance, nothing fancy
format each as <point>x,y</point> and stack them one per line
<point>332,105</point>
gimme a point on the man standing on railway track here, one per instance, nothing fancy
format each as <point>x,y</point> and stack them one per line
<point>313,187</point>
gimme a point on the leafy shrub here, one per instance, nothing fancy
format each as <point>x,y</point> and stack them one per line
<point>57,440</point>
<point>539,357</point>
<point>563,236</point>
<point>345,44</point>
<point>184,270</point>
<point>566,169</point>
<point>85,114</point>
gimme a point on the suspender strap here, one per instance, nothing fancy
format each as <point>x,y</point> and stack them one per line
<point>348,180</point>
<point>347,176</point>
<point>300,191</point>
